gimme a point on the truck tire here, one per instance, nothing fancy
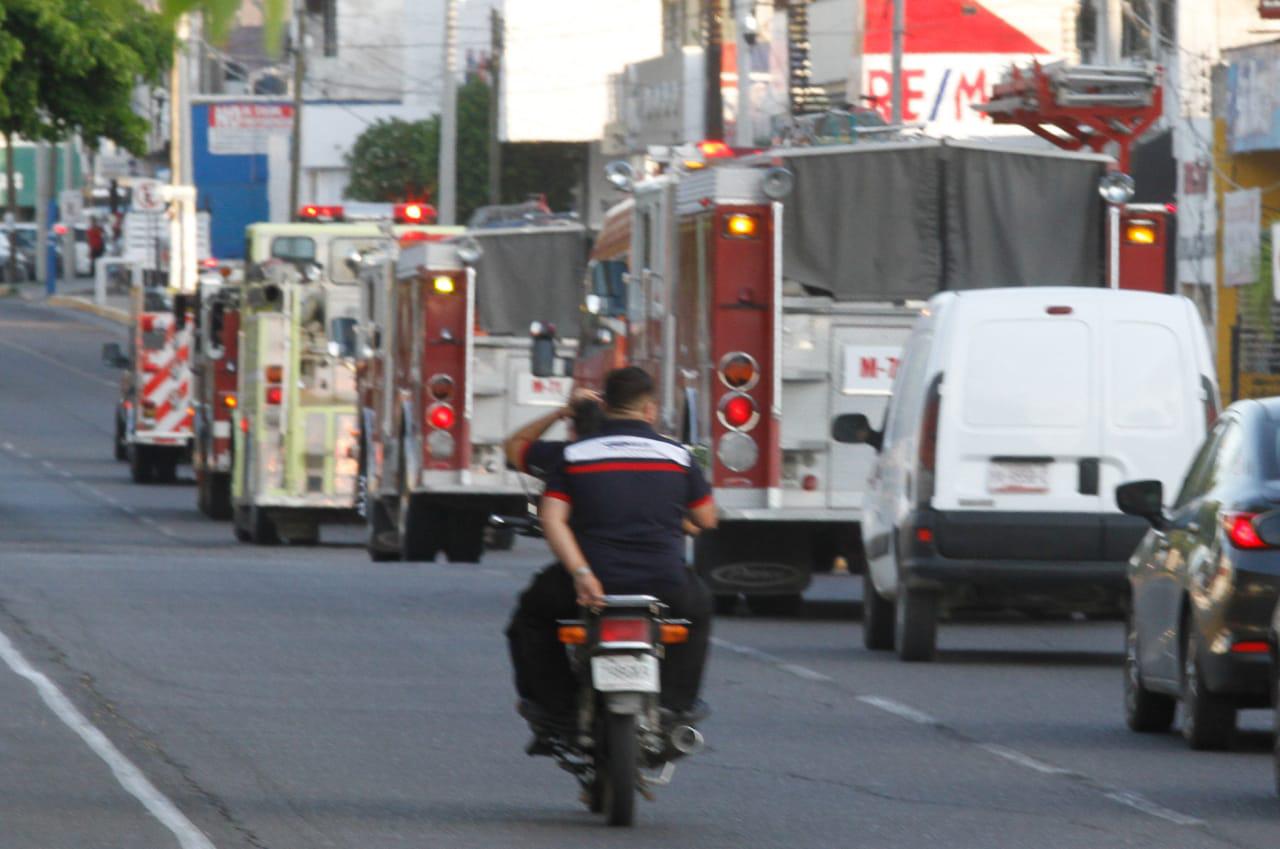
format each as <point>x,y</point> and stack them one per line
<point>380,534</point>
<point>464,539</point>
<point>141,468</point>
<point>262,531</point>
<point>165,464</point>
<point>1144,711</point>
<point>421,530</point>
<point>218,485</point>
<point>620,768</point>
<point>877,617</point>
<point>121,445</point>
<point>915,624</point>
<point>202,493</point>
<point>1208,719</point>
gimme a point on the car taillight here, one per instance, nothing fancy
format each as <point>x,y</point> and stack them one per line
<point>1240,530</point>
<point>441,387</point>
<point>441,416</point>
<point>739,371</point>
<point>274,395</point>
<point>738,411</point>
<point>624,631</point>
<point>928,447</point>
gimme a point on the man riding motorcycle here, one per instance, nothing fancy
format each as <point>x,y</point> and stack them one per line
<point>613,514</point>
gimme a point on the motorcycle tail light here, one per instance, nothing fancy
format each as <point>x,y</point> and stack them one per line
<point>1251,647</point>
<point>624,631</point>
<point>671,634</point>
<point>573,635</point>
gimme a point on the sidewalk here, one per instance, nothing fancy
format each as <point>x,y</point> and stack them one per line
<point>76,295</point>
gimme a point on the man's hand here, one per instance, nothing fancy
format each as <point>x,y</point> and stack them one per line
<point>579,395</point>
<point>589,589</point>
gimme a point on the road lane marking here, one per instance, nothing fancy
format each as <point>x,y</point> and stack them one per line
<point>130,777</point>
<point>1014,756</point>
<point>1141,803</point>
<point>899,710</point>
<point>42,356</point>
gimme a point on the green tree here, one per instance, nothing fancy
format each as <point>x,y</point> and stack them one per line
<point>219,15</point>
<point>395,160</point>
<point>76,66</point>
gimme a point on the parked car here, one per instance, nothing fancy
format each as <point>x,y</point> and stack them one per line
<point>25,236</point>
<point>1015,413</point>
<point>1205,581</point>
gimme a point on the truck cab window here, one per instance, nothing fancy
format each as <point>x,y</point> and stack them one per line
<point>297,249</point>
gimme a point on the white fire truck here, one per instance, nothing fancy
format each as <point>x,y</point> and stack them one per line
<point>445,375</point>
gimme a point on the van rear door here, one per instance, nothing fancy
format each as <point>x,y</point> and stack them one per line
<point>1154,410</point>
<point>1020,439</point>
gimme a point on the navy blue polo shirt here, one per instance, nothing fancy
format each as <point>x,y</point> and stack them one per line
<point>629,490</point>
<point>541,457</point>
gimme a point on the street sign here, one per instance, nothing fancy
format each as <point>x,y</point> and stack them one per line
<point>148,196</point>
<point>70,205</point>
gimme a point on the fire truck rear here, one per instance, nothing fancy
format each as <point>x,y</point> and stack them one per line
<point>154,415</point>
<point>445,376</point>
<point>213,366</point>
<point>293,458</point>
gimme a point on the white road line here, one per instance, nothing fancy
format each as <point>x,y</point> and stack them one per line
<point>40,356</point>
<point>1141,803</point>
<point>129,776</point>
<point>1014,756</point>
<point>804,672</point>
<point>899,710</point>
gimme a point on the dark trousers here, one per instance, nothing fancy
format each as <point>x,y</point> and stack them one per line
<point>542,670</point>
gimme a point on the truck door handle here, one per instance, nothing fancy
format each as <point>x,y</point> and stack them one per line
<point>1088,476</point>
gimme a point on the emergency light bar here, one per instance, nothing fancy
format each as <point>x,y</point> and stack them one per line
<point>414,213</point>
<point>312,212</point>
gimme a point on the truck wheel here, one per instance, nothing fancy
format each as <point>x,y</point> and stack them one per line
<point>140,465</point>
<point>915,624</point>
<point>464,540</point>
<point>620,768</point>
<point>380,536</point>
<point>877,617</point>
<point>262,531</point>
<point>219,495</point>
<point>1144,710</point>
<point>121,446</point>
<point>1208,719</point>
<point>421,530</point>
<point>165,464</point>
<point>202,493</point>
<point>775,605</point>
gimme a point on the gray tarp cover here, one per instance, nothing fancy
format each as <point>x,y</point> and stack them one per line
<point>895,223</point>
<point>528,275</point>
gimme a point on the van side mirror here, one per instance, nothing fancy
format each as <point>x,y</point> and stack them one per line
<point>1144,499</point>
<point>113,356</point>
<point>856,429</point>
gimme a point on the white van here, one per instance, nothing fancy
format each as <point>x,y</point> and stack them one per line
<point>1015,414</point>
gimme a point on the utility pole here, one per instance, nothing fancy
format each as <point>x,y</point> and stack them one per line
<point>743,133</point>
<point>448,203</point>
<point>69,235</point>
<point>899,34</point>
<point>495,87</point>
<point>1153,18</point>
<point>713,40</point>
<point>1110,21</point>
<point>299,75</point>
<point>44,190</point>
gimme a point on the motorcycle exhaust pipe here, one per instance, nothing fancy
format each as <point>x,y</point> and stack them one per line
<point>686,739</point>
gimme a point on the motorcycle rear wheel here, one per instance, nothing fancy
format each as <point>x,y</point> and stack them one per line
<point>620,768</point>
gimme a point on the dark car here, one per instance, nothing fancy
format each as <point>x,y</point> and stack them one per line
<point>1205,580</point>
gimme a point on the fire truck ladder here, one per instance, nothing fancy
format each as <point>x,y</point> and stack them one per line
<point>1081,106</point>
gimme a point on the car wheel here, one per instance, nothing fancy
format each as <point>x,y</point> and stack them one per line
<point>1144,710</point>
<point>877,617</point>
<point>1208,720</point>
<point>915,624</point>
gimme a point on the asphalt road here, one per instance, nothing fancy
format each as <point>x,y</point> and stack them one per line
<point>163,686</point>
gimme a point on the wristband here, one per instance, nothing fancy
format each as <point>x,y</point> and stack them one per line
<point>581,571</point>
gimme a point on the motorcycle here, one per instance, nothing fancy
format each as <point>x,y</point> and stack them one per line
<point>622,743</point>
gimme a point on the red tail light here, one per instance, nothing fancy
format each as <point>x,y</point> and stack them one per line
<point>1240,530</point>
<point>274,395</point>
<point>1251,647</point>
<point>738,411</point>
<point>624,631</point>
<point>928,448</point>
<point>441,416</point>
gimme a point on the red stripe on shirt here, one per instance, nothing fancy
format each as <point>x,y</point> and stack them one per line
<point>592,468</point>
<point>524,457</point>
<point>703,500</point>
<point>558,495</point>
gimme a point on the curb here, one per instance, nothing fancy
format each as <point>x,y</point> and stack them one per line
<point>85,305</point>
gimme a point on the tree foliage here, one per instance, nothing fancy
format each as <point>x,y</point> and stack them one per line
<point>219,15</point>
<point>396,160</point>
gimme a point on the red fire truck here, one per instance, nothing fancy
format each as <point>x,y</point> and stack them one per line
<point>214,364</point>
<point>444,376</point>
<point>761,324</point>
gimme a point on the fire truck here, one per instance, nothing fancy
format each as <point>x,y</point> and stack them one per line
<point>154,415</point>
<point>766,300</point>
<point>446,375</point>
<point>213,366</point>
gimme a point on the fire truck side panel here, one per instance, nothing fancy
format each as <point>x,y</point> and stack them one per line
<point>164,413</point>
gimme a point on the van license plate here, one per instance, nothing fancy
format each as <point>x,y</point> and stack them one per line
<point>1018,478</point>
<point>622,673</point>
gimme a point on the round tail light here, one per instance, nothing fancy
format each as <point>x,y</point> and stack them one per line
<point>441,445</point>
<point>738,411</point>
<point>738,452</point>
<point>441,416</point>
<point>441,387</point>
<point>739,371</point>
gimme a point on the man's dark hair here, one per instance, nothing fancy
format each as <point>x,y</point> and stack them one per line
<point>627,388</point>
<point>587,416</point>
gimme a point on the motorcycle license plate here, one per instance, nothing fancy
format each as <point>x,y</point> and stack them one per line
<point>621,673</point>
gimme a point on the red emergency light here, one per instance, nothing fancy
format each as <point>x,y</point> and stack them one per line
<point>715,149</point>
<point>414,213</point>
<point>209,262</point>
<point>313,212</point>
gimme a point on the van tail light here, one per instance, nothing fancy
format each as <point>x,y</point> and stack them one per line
<point>928,448</point>
<point>625,631</point>
<point>1240,530</point>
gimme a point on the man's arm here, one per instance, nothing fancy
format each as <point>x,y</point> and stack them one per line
<point>517,444</point>
<point>700,505</point>
<point>704,515</point>
<point>554,512</point>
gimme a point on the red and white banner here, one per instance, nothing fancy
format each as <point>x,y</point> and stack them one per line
<point>246,128</point>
